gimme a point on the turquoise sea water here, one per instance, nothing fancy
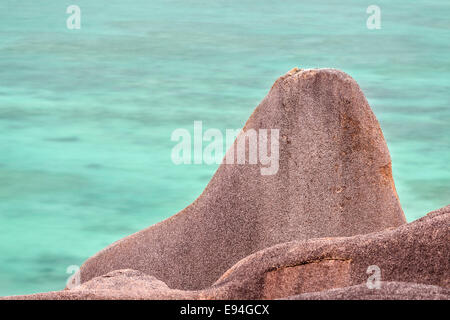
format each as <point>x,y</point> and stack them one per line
<point>86,115</point>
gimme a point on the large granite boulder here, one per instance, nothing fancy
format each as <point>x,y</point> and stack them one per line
<point>387,291</point>
<point>418,252</point>
<point>413,260</point>
<point>333,180</point>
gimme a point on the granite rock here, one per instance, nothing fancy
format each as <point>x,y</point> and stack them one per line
<point>334,180</point>
<point>414,260</point>
<point>418,252</point>
<point>387,291</point>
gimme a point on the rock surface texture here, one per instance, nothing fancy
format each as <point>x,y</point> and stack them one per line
<point>334,180</point>
<point>387,291</point>
<point>309,231</point>
<point>414,260</point>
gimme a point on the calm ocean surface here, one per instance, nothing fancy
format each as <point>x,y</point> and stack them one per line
<point>86,115</point>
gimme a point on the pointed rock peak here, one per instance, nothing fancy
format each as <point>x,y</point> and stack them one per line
<point>311,162</point>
